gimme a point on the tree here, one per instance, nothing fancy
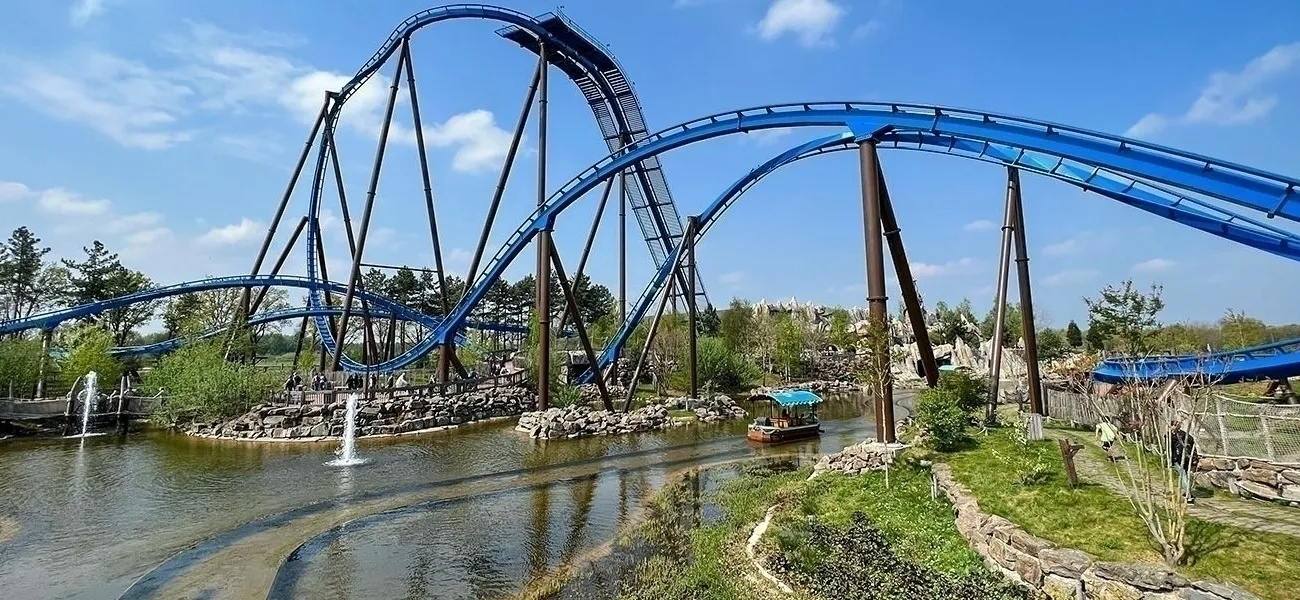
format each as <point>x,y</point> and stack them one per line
<point>1240,331</point>
<point>20,365</point>
<point>789,345</point>
<point>840,335</point>
<point>123,321</point>
<point>1125,313</point>
<point>736,326</point>
<point>178,317</point>
<point>88,281</point>
<point>876,371</point>
<point>708,321</point>
<point>1051,344</point>
<point>200,384</point>
<point>594,299</point>
<point>20,274</point>
<point>952,323</point>
<point>1073,336</point>
<point>1012,327</point>
<point>1096,340</point>
<point>88,350</point>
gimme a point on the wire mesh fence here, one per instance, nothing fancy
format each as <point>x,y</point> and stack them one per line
<point>1227,427</point>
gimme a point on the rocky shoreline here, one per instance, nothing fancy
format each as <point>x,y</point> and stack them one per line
<point>583,421</point>
<point>383,416</point>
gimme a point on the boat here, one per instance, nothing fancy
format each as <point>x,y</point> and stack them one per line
<point>793,417</point>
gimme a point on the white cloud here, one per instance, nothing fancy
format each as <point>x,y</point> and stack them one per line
<point>1155,264</point>
<point>85,10</point>
<point>767,136</point>
<point>134,222</point>
<point>61,202</point>
<point>954,267</point>
<point>236,233</point>
<point>479,143</point>
<point>1231,98</point>
<point>1069,276</point>
<point>12,191</point>
<point>865,30</point>
<point>733,277</point>
<point>812,21</point>
<point>979,225</point>
<point>149,237</point>
<point>1061,248</point>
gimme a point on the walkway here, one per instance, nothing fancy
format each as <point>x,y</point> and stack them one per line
<point>1238,512</point>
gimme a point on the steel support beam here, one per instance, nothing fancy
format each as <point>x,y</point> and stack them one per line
<point>586,248</point>
<point>692,224</point>
<point>622,258</point>
<point>667,293</point>
<point>1036,404</point>
<point>297,351</point>
<point>279,264</point>
<point>911,297</point>
<point>284,199</point>
<point>355,276</point>
<point>543,248</point>
<point>877,308</point>
<point>448,348</point>
<point>500,191</point>
<point>344,213</point>
<point>1000,303</point>
<point>570,295</point>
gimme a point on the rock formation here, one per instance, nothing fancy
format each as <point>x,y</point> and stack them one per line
<point>580,420</point>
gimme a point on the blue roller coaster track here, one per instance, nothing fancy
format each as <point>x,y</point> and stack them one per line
<point>1100,162</point>
<point>1277,360</point>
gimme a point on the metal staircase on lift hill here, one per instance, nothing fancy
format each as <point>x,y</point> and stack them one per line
<point>647,189</point>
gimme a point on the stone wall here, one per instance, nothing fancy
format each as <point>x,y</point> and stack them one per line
<point>581,421</point>
<point>381,416</point>
<point>1064,573</point>
<point>1251,478</point>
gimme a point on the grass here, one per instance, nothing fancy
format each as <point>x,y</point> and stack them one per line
<point>919,529</point>
<point>1096,520</point>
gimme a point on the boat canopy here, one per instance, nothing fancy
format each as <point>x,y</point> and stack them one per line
<point>789,398</point>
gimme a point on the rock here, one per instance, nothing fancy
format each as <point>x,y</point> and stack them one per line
<point>1291,475</point>
<point>1259,490</point>
<point>1227,591</point>
<point>1156,578</point>
<point>1099,588</point>
<point>320,430</point>
<point>1029,544</point>
<point>272,422</point>
<point>1264,476</point>
<point>1066,562</point>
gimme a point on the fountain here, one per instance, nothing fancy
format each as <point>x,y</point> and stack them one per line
<point>91,393</point>
<point>347,453</point>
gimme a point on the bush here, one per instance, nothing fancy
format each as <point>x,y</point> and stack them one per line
<point>20,364</point>
<point>939,411</point>
<point>718,367</point>
<point>859,564</point>
<point>199,384</point>
<point>88,350</point>
<point>972,392</point>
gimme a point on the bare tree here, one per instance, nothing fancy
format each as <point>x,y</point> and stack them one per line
<point>876,373</point>
<point>1158,463</point>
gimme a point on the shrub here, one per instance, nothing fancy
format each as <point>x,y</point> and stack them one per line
<point>972,392</point>
<point>717,366</point>
<point>199,384</point>
<point>88,350</point>
<point>939,411</point>
<point>20,361</point>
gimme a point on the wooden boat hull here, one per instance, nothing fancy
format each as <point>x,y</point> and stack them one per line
<point>773,435</point>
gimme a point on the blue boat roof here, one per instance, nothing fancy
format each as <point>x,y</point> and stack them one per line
<point>795,398</point>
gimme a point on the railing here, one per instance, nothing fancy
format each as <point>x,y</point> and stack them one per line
<point>446,388</point>
<point>1228,427</point>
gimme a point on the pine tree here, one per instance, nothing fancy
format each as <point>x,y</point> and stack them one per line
<point>20,274</point>
<point>1073,336</point>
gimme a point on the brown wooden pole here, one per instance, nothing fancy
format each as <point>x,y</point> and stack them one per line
<point>911,298</point>
<point>876,299</point>
<point>1036,403</point>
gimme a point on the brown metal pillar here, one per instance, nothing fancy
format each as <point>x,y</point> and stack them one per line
<point>586,248</point>
<point>876,298</point>
<point>1000,303</point>
<point>1036,404</point>
<point>279,264</point>
<point>911,298</point>
<point>571,298</point>
<point>543,248</point>
<point>691,225</point>
<point>622,262</point>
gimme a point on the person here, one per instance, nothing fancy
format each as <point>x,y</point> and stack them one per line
<point>1106,434</point>
<point>1182,453</point>
<point>401,381</point>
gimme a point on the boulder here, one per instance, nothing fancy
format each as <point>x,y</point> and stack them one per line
<point>1066,562</point>
<point>1150,577</point>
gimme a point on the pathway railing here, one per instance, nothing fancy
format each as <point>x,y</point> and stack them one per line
<point>447,388</point>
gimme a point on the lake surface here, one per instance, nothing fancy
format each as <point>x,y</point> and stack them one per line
<point>474,512</point>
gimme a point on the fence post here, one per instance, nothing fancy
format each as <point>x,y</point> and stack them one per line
<point>1223,425</point>
<point>1268,436</point>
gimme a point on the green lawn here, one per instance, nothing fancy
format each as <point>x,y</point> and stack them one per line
<point>1096,520</point>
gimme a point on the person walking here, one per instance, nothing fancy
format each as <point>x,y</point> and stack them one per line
<point>1106,434</point>
<point>1182,455</point>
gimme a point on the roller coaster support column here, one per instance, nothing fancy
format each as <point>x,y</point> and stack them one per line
<point>622,259</point>
<point>279,264</point>
<point>449,348</point>
<point>571,298</point>
<point>520,125</point>
<point>284,200</point>
<point>1036,405</point>
<point>302,333</point>
<point>667,293</point>
<point>1000,304</point>
<point>365,213</point>
<point>911,298</point>
<point>586,249</point>
<point>692,223</point>
<point>543,249</point>
<point>876,300</point>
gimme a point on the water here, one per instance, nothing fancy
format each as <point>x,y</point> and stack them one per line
<point>91,393</point>
<point>347,453</point>
<point>474,512</point>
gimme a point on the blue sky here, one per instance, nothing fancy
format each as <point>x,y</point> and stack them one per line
<point>168,129</point>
